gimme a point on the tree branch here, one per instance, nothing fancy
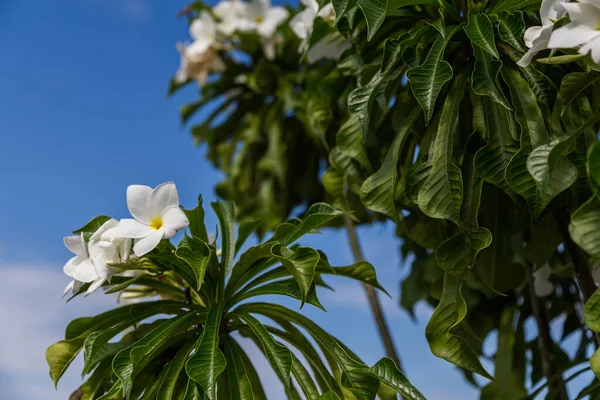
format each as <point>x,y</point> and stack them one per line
<point>376,309</point>
<point>555,380</point>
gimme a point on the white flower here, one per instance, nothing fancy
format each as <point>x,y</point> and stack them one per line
<point>541,283</point>
<point>230,14</point>
<point>583,30</point>
<point>90,262</point>
<point>156,216</point>
<point>331,46</point>
<point>198,67</point>
<point>204,32</point>
<point>537,37</point>
<point>260,17</point>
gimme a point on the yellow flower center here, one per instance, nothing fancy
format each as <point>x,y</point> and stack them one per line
<point>258,20</point>
<point>156,223</point>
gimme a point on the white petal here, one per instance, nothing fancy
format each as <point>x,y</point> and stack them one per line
<point>76,245</point>
<point>129,228</point>
<point>302,23</point>
<point>596,275</point>
<point>330,47</point>
<point>571,35</point>
<point>85,272</point>
<point>538,45</point>
<point>198,48</point>
<point>71,266</point>
<point>69,287</point>
<point>162,197</point>
<point>95,285</point>
<point>203,27</point>
<point>543,272</point>
<point>327,11</point>
<point>543,287</point>
<point>532,34</point>
<point>111,223</point>
<point>585,14</point>
<point>147,244</point>
<point>125,249</point>
<point>311,5</point>
<point>548,11</point>
<point>592,46</point>
<point>274,17</point>
<point>137,202</point>
<point>174,219</point>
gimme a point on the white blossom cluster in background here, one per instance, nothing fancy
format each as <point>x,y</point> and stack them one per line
<point>215,31</point>
<point>581,32</point>
<point>156,216</point>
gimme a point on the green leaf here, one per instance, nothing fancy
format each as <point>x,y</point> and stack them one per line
<point>584,227</point>
<point>257,388</point>
<point>304,379</point>
<point>226,215</point>
<point>168,386</point>
<point>377,191</point>
<point>362,271</point>
<point>558,60</point>
<point>574,84</point>
<point>387,372</point>
<point>317,215</point>
<point>286,287</point>
<point>349,141</point>
<point>60,355</point>
<point>329,396</point>
<point>533,135</point>
<point>481,32</point>
<point>450,311</point>
<point>591,312</point>
<point>113,393</point>
<point>457,255</point>
<point>511,29</point>
<point>279,356</point>
<point>543,159</point>
<point>492,159</point>
<point>196,218</point>
<point>250,263</point>
<point>593,165</point>
<point>240,383</point>
<point>441,194</point>
<point>340,7</point>
<point>513,5</point>
<point>427,79</point>
<point>301,263</point>
<point>374,11</point>
<point>208,362</point>
<point>195,256</point>
<point>92,387</point>
<point>92,226</point>
<point>394,4</point>
<point>131,360</point>
<point>595,363</point>
<point>484,79</point>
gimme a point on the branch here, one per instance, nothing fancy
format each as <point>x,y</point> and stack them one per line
<point>376,309</point>
<point>554,378</point>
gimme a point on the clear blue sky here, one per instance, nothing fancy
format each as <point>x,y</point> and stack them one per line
<point>83,114</point>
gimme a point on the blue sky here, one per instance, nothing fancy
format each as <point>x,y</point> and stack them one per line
<point>83,114</point>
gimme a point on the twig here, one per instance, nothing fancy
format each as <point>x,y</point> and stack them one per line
<point>376,309</point>
<point>556,383</point>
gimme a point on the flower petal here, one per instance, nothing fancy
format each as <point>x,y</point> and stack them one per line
<point>585,14</point>
<point>532,34</point>
<point>125,249</point>
<point>203,27</point>
<point>330,47</point>
<point>129,228</point>
<point>85,272</point>
<point>543,287</point>
<point>71,266</point>
<point>69,287</point>
<point>273,18</point>
<point>163,196</point>
<point>76,245</point>
<point>302,23</point>
<point>174,219</point>
<point>548,11</point>
<point>147,244</point>
<point>592,46</point>
<point>571,35</point>
<point>137,202</point>
<point>111,223</point>
<point>95,285</point>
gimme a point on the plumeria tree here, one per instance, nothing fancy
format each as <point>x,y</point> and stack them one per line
<point>470,125</point>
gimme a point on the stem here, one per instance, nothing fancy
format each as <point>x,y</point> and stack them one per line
<point>376,309</point>
<point>555,381</point>
<point>583,274</point>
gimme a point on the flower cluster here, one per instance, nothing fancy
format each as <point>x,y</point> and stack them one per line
<point>210,34</point>
<point>582,31</point>
<point>156,216</point>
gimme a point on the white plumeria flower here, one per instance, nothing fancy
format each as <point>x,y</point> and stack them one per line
<point>204,32</point>
<point>123,244</point>
<point>596,274</point>
<point>537,37</point>
<point>331,46</point>
<point>90,262</point>
<point>230,13</point>
<point>583,30</point>
<point>156,216</point>
<point>260,17</point>
<point>198,67</point>
<point>541,283</point>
